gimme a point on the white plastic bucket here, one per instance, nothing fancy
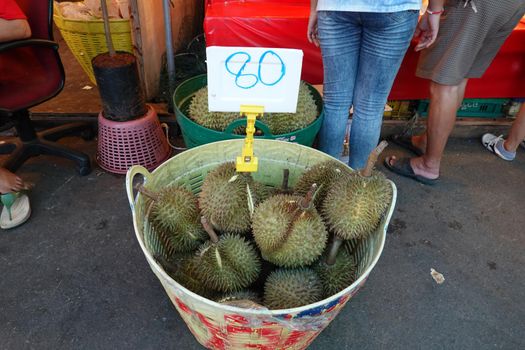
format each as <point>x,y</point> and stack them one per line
<point>219,326</point>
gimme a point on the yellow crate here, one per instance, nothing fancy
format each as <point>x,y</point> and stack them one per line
<point>86,39</point>
<point>398,109</point>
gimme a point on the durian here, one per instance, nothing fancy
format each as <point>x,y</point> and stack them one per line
<point>354,205</point>
<point>228,263</point>
<point>288,230</point>
<point>240,295</point>
<point>323,174</point>
<point>288,288</point>
<point>337,271</point>
<point>175,217</point>
<point>245,298</point>
<point>305,114</point>
<point>278,123</point>
<point>199,112</point>
<point>228,198</point>
<point>182,268</point>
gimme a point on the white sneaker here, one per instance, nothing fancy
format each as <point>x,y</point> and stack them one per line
<point>495,144</point>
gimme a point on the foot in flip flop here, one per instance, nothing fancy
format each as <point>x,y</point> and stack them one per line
<point>16,209</point>
<point>403,167</point>
<point>9,182</point>
<point>406,143</point>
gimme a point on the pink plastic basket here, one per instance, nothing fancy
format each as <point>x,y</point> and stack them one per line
<point>135,142</point>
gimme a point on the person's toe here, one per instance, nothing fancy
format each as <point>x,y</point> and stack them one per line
<point>391,160</point>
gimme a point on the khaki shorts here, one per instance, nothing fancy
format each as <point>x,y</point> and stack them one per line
<point>468,41</point>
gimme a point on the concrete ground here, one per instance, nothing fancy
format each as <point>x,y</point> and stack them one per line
<point>74,277</point>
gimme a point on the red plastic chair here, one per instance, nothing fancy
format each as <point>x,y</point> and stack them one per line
<point>31,73</point>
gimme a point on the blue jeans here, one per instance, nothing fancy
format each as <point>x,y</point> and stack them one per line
<point>362,52</point>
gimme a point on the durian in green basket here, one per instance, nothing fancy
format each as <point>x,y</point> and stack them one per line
<point>337,270</point>
<point>305,114</point>
<point>175,217</point>
<point>354,205</point>
<point>228,263</point>
<point>247,299</point>
<point>227,198</point>
<point>288,230</point>
<point>323,174</point>
<point>199,112</point>
<point>288,288</point>
<point>352,209</point>
<point>238,296</point>
<point>278,123</point>
<point>183,269</point>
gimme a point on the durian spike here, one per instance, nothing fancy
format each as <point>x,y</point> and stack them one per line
<point>372,159</point>
<point>146,192</point>
<point>211,232</point>
<point>334,249</point>
<point>307,201</point>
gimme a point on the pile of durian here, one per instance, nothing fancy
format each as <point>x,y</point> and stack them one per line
<point>242,243</point>
<point>278,123</point>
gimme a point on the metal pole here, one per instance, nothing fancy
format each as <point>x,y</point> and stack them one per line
<point>105,16</point>
<point>170,59</point>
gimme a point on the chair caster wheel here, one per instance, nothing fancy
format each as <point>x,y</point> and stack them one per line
<point>88,134</point>
<point>84,170</point>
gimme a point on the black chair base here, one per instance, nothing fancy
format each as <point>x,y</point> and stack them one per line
<point>30,144</point>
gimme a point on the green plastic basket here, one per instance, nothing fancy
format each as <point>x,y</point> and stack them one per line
<point>226,327</point>
<point>474,107</point>
<point>196,135</point>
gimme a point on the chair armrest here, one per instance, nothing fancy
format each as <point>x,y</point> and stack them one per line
<point>27,42</point>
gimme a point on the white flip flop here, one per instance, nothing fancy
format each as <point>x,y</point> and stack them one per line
<point>17,213</point>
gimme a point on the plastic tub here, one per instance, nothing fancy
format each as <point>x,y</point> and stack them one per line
<point>218,326</point>
<point>196,135</point>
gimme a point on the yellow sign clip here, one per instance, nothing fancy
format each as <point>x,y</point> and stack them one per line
<point>247,162</point>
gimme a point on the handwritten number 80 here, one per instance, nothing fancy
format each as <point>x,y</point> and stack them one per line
<point>257,78</point>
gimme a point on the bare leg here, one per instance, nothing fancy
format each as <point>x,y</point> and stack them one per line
<point>9,182</point>
<point>517,131</point>
<point>420,141</point>
<point>444,102</point>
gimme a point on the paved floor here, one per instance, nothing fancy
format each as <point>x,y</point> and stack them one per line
<point>73,276</point>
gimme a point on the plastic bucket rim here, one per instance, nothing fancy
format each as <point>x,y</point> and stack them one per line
<point>123,171</point>
<point>266,312</point>
<point>179,113</point>
<point>240,136</point>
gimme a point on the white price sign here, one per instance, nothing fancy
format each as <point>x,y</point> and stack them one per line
<point>253,76</point>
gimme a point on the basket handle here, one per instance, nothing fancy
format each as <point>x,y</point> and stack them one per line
<point>242,122</point>
<point>134,170</point>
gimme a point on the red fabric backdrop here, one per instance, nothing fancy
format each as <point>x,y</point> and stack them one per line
<point>283,23</point>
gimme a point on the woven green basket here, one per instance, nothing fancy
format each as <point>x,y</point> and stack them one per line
<point>196,135</point>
